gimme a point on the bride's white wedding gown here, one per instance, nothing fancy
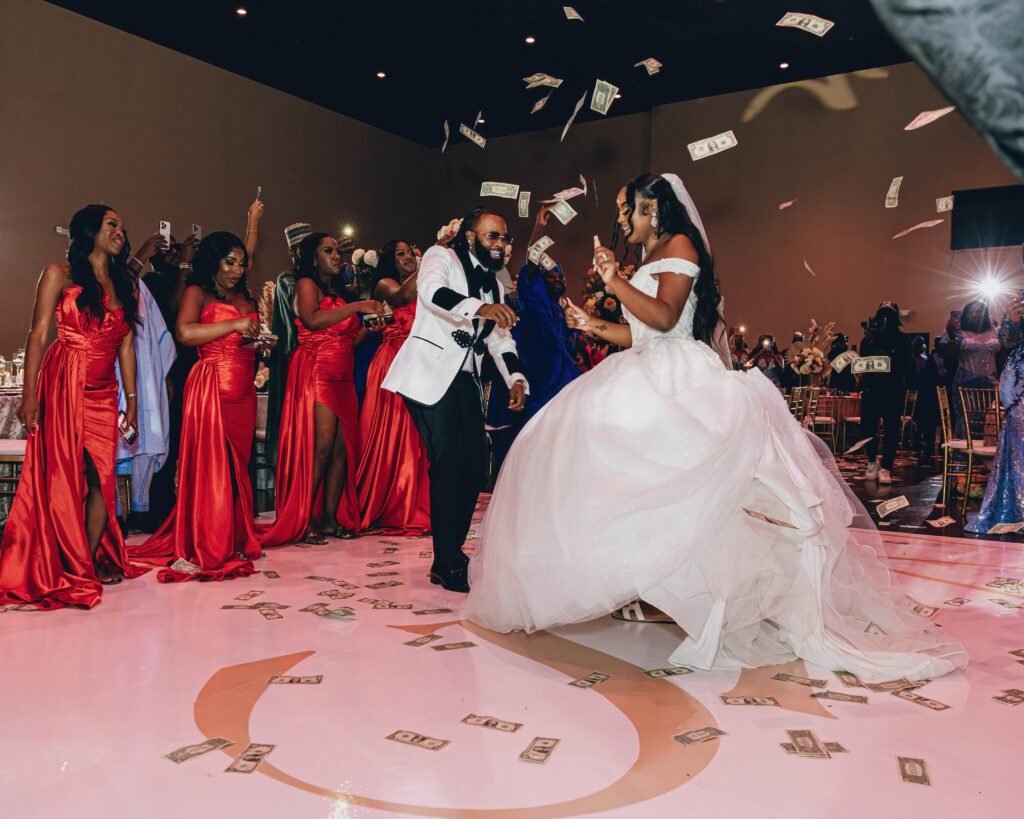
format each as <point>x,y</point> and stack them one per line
<point>632,483</point>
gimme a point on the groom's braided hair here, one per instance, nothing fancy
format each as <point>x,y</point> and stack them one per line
<point>673,218</point>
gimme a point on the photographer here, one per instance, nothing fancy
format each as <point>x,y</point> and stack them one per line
<point>883,393</point>
<point>767,358</point>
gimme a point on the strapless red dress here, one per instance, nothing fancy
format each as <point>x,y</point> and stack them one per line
<point>44,556</point>
<point>212,524</point>
<point>394,490</point>
<point>320,372</point>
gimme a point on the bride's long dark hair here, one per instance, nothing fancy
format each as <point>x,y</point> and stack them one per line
<point>673,218</point>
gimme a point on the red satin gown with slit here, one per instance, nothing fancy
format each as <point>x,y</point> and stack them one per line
<point>44,557</point>
<point>320,372</point>
<point>212,524</point>
<point>394,490</point>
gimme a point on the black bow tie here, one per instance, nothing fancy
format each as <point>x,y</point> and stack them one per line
<point>481,280</point>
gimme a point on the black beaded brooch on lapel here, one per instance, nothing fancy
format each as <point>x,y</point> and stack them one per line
<point>465,339</point>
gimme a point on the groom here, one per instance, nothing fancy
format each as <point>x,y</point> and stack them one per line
<point>459,314</point>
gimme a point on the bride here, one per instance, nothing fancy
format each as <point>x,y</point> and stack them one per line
<point>645,479</point>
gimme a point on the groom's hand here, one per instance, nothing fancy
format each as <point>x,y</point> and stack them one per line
<point>516,396</point>
<point>501,314</point>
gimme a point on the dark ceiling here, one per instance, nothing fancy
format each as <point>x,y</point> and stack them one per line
<point>450,59</point>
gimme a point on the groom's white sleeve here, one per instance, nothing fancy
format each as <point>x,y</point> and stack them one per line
<point>433,286</point>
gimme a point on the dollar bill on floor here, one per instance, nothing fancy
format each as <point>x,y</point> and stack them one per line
<point>1006,604</point>
<point>571,13</point>
<point>313,608</point>
<point>835,748</point>
<point>592,679</point>
<point>426,555</point>
<point>382,574</point>
<point>788,747</point>
<point>492,722</point>
<point>807,744</point>
<point>503,190</point>
<point>944,204</point>
<point>920,608</point>
<point>249,595</point>
<point>192,751</point>
<point>380,564</point>
<point>472,135</point>
<point>766,519</point>
<point>317,577</point>
<point>927,118</point>
<point>910,696</point>
<point>575,111</point>
<point>434,611</point>
<point>603,97</point>
<point>389,551</point>
<point>848,679</point>
<point>418,740</point>
<point>1010,696</point>
<point>956,602</point>
<point>811,23</point>
<point>250,759</point>
<point>651,64</point>
<point>673,671</point>
<point>454,646</point>
<point>534,251</point>
<point>281,679</point>
<point>699,735</point>
<point>889,686</point>
<point>424,640</point>
<point>874,628</point>
<point>1006,528</point>
<point>1017,652</point>
<point>182,565</point>
<point>539,750</point>
<point>385,584</point>
<point>890,506</point>
<point>392,605</point>
<point>270,614</point>
<point>809,682</point>
<point>239,606</point>
<point>270,573</point>
<point>941,523</point>
<point>913,771</point>
<point>838,696</point>
<point>335,594</point>
<point>703,148</point>
<point>748,700</point>
<point>523,205</point>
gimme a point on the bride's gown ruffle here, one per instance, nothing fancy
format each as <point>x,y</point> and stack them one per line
<point>632,483</point>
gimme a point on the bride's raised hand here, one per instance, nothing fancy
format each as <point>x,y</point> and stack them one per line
<point>575,317</point>
<point>605,265</point>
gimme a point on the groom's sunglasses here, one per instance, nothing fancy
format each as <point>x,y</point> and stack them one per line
<point>493,236</point>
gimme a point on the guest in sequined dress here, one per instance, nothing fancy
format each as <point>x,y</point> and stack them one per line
<point>976,342</point>
<point>1004,495</point>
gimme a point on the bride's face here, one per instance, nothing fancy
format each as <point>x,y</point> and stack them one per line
<point>635,218</point>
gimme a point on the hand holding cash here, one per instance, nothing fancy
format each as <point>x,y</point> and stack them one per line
<point>605,265</point>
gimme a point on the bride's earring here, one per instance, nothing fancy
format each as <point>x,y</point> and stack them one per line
<point>654,220</point>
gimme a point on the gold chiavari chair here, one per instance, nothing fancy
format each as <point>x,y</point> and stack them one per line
<point>826,418</point>
<point>954,450</point>
<point>978,405</point>
<point>796,401</point>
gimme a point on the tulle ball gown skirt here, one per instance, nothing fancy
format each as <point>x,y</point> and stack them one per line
<point>632,483</point>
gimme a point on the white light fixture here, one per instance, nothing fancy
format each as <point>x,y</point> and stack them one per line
<point>530,39</point>
<point>381,75</point>
<point>241,11</point>
<point>618,96</point>
<point>347,231</point>
<point>783,65</point>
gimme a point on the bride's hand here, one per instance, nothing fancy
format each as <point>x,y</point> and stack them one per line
<point>606,266</point>
<point>575,317</point>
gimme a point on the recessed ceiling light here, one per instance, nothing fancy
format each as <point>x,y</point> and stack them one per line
<point>481,121</point>
<point>530,39</point>
<point>381,75</point>
<point>241,11</point>
<point>618,96</point>
<point>783,65</point>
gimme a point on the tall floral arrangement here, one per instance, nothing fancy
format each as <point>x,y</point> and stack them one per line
<point>808,358</point>
<point>365,263</point>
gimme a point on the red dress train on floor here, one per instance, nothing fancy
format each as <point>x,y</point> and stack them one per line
<point>45,558</point>
<point>212,524</point>
<point>320,372</point>
<point>394,490</point>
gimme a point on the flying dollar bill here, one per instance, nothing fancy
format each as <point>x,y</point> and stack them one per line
<point>492,722</point>
<point>704,148</point>
<point>540,103</point>
<point>563,212</point>
<point>472,135</point>
<point>700,735</point>
<point>807,744</point>
<point>914,771</point>
<point>858,445</point>
<point>447,133</point>
<point>603,97</point>
<point>539,750</point>
<point>571,13</point>
<point>874,628</point>
<point>540,80</point>
<point>534,251</point>
<point>927,118</point>
<point>424,640</point>
<point>783,206</point>
<point>843,360</point>
<point>548,264</point>
<point>812,24</point>
<point>810,683</point>
<point>870,364</point>
<point>250,759</point>
<point>651,64</point>
<point>929,224</point>
<point>890,506</point>
<point>315,679</point>
<point>575,111</point>
<point>418,740</point>
<point>523,205</point>
<point>192,751</point>
<point>892,198</point>
<point>838,696</point>
<point>505,190</point>
<point>943,204</point>
<point>592,679</point>
<point>562,196</point>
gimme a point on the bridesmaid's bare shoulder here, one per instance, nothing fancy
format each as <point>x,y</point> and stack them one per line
<point>56,274</point>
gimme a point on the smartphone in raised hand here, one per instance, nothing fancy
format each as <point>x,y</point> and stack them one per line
<point>165,231</point>
<point>197,231</point>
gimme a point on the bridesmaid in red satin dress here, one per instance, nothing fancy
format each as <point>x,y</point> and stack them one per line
<point>394,490</point>
<point>62,541</point>
<point>318,442</point>
<point>210,534</point>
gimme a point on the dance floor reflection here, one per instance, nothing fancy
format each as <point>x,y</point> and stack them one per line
<point>386,704</point>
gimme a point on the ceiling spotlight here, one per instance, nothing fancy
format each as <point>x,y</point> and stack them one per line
<point>481,121</point>
<point>348,231</point>
<point>241,11</point>
<point>530,39</point>
<point>618,96</point>
<point>783,65</point>
<point>381,75</point>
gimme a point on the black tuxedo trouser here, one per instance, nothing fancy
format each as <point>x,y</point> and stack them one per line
<point>453,433</point>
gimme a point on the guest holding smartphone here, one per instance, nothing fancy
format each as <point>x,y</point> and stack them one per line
<point>62,542</point>
<point>318,440</point>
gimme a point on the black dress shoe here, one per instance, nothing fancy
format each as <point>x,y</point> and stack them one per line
<point>456,580</point>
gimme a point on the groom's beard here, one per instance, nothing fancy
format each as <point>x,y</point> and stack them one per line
<point>486,258</point>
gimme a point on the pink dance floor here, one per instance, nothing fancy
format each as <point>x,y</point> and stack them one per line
<point>91,704</point>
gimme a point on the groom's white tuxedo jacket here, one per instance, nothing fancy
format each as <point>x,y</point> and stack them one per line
<point>430,358</point>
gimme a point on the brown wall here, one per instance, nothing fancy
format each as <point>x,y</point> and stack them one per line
<point>89,113</point>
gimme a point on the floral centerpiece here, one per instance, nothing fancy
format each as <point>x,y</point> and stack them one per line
<point>807,359</point>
